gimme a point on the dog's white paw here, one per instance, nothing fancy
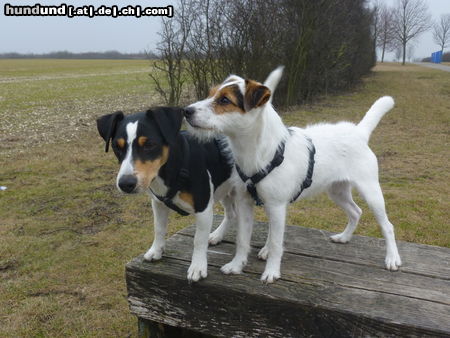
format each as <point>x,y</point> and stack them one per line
<point>263,253</point>
<point>215,237</point>
<point>234,267</point>
<point>393,261</point>
<point>154,254</point>
<point>341,238</point>
<point>270,275</point>
<point>196,271</point>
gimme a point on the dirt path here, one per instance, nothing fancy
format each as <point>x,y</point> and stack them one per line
<point>434,65</point>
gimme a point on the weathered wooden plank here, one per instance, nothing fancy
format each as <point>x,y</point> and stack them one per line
<point>417,259</point>
<point>307,269</point>
<point>243,306</point>
<point>326,289</point>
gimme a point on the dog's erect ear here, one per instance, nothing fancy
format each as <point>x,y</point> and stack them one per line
<point>168,120</point>
<point>107,126</point>
<point>256,95</point>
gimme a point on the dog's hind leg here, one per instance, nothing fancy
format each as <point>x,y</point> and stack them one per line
<point>371,192</point>
<point>160,217</point>
<point>244,207</point>
<point>264,252</point>
<point>229,220</point>
<point>341,194</point>
<point>277,220</point>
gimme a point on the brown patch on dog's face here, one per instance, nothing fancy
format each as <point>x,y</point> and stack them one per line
<point>187,197</point>
<point>256,94</point>
<point>142,140</point>
<point>146,171</point>
<point>229,100</point>
<point>121,143</point>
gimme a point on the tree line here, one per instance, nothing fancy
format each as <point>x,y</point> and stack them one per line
<point>325,45</point>
<point>87,55</point>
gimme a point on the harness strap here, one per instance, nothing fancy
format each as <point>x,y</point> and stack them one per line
<point>308,179</point>
<point>182,177</point>
<point>278,158</point>
<point>276,161</point>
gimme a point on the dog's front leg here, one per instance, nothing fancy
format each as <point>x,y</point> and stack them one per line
<point>244,207</point>
<point>199,264</point>
<point>277,219</point>
<point>160,217</point>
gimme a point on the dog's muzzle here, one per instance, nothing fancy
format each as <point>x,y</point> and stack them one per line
<point>188,112</point>
<point>189,115</point>
<point>127,183</point>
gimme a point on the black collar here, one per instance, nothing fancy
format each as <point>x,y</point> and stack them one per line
<point>179,180</point>
<point>276,161</point>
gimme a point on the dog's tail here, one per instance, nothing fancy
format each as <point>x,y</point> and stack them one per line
<point>375,113</point>
<point>273,79</point>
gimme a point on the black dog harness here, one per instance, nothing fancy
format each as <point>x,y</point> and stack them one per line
<point>276,161</point>
<point>183,175</point>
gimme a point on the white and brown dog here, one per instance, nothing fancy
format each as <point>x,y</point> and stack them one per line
<point>281,165</point>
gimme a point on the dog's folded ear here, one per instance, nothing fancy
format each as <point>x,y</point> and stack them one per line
<point>256,95</point>
<point>107,125</point>
<point>169,121</point>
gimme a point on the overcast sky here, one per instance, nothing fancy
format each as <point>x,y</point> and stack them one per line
<point>424,45</point>
<point>82,34</point>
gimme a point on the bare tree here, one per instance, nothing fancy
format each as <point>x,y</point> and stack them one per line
<point>441,31</point>
<point>385,38</point>
<point>170,70</point>
<point>411,18</point>
<point>376,22</point>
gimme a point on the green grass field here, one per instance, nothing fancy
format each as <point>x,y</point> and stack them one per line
<point>66,233</point>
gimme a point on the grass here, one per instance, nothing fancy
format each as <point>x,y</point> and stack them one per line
<point>65,233</point>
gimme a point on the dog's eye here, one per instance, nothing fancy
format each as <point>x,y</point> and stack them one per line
<point>224,100</point>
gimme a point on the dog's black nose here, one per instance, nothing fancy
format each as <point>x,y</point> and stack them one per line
<point>128,183</point>
<point>188,111</point>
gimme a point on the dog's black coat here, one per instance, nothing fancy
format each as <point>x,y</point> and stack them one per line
<point>161,126</point>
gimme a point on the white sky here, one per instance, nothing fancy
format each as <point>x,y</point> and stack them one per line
<point>46,34</point>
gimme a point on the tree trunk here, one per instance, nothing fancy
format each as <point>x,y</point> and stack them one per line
<point>382,53</point>
<point>404,53</point>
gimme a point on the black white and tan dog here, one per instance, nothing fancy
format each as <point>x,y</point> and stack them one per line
<point>280,165</point>
<point>180,174</point>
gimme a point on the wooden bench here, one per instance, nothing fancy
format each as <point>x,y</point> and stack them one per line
<point>326,290</point>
